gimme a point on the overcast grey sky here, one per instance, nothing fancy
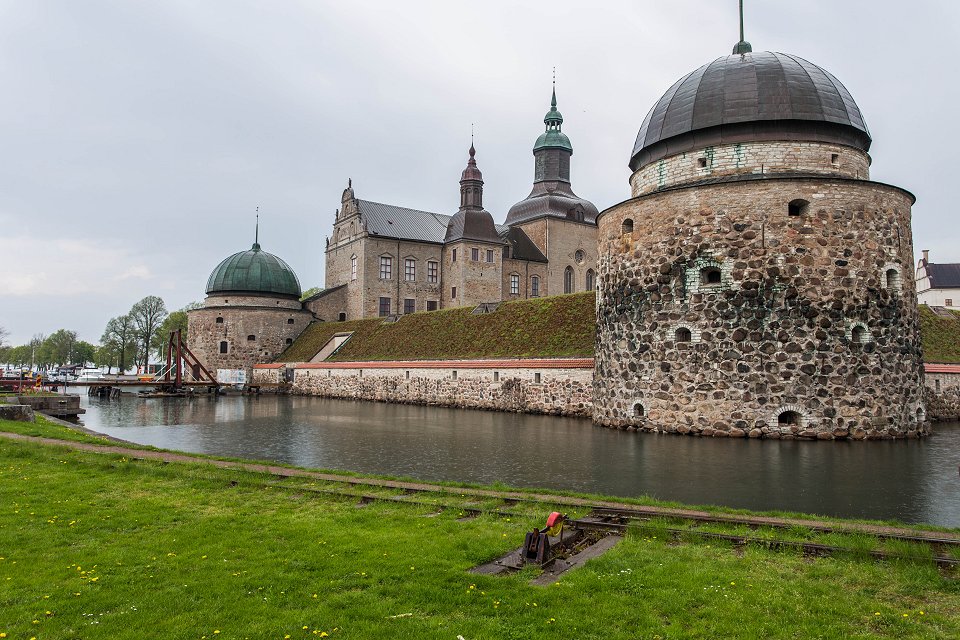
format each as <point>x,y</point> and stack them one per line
<point>139,136</point>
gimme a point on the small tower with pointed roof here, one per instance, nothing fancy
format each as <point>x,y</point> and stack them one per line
<point>473,249</point>
<point>558,221</point>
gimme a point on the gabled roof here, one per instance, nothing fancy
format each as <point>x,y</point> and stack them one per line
<point>390,221</point>
<point>944,276</point>
<point>521,246</point>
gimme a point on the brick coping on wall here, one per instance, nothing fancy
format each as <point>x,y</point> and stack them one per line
<point>523,363</point>
<point>941,368</point>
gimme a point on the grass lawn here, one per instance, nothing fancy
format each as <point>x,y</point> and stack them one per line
<point>98,546</point>
<point>940,336</point>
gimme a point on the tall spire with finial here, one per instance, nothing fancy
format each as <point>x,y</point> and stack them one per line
<point>256,231</point>
<point>743,46</point>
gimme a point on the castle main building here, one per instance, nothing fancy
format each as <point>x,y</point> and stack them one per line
<point>384,260</point>
<point>754,283</point>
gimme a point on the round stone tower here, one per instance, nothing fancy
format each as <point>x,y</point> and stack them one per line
<point>758,284</point>
<point>251,314</point>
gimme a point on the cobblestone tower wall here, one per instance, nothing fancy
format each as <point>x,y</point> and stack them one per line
<point>770,306</point>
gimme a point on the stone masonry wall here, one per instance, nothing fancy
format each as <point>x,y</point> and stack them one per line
<point>557,387</point>
<point>526,271</point>
<point>270,327</point>
<point>755,157</point>
<point>720,314</point>
<point>943,395</point>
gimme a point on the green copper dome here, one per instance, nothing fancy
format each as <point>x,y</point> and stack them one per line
<point>256,272</point>
<point>553,137</point>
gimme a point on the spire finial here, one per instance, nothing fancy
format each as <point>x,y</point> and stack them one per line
<point>256,232</point>
<point>350,183</point>
<point>553,99</point>
<point>473,151</point>
<point>743,46</point>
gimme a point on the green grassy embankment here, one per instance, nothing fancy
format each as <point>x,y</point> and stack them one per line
<point>103,546</point>
<point>940,336</point>
<point>557,326</point>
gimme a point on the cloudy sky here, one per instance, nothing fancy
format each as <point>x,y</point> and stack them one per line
<point>138,137</point>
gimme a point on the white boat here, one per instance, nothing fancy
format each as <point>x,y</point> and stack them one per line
<point>89,375</point>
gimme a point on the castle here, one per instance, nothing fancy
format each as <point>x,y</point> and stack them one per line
<point>752,286</point>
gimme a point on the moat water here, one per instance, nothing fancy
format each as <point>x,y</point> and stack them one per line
<point>912,481</point>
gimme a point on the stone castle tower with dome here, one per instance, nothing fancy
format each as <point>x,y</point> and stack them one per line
<point>252,312</point>
<point>755,283</point>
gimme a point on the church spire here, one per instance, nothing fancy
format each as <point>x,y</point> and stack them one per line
<point>743,46</point>
<point>256,231</point>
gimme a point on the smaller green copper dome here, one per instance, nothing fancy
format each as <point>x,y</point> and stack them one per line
<point>553,138</point>
<point>256,272</point>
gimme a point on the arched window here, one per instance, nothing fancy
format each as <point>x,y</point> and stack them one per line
<point>568,280</point>
<point>789,418</point>
<point>535,286</point>
<point>627,226</point>
<point>578,256</point>
<point>639,411</point>
<point>710,276</point>
<point>892,279</point>
<point>224,347</point>
<point>342,317</point>
<point>251,338</point>
<point>797,207</point>
<point>858,335</point>
<point>682,334</point>
<point>591,280</point>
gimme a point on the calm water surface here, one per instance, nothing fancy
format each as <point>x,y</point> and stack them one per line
<point>913,481</point>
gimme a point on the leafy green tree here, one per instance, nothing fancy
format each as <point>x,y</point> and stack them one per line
<point>119,342</point>
<point>84,352</point>
<point>3,337</point>
<point>147,316</point>
<point>57,348</point>
<point>176,320</point>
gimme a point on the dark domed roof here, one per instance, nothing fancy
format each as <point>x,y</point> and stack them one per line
<point>255,272</point>
<point>750,97</point>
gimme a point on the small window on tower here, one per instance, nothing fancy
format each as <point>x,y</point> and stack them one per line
<point>797,207</point>
<point>219,320</point>
<point>701,163</point>
<point>627,226</point>
<point>834,158</point>
<point>710,276</point>
<point>289,320</point>
<point>251,338</point>
<point>224,347</point>
<point>475,254</point>
<point>489,255</point>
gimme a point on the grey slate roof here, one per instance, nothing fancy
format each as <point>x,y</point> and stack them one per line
<point>553,199</point>
<point>472,224</point>
<point>390,221</point>
<point>759,95</point>
<point>521,246</point>
<point>944,276</point>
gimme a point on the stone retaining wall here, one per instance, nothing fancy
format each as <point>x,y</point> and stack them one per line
<point>943,392</point>
<point>556,387</point>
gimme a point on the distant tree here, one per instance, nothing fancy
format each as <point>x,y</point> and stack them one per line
<point>19,356</point>
<point>147,316</point>
<point>84,352</point>
<point>3,337</point>
<point>176,320</point>
<point>35,344</point>
<point>57,348</point>
<point>119,342</point>
<point>312,291</point>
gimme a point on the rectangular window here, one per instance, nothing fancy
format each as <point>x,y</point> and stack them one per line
<point>948,302</point>
<point>409,269</point>
<point>453,255</point>
<point>386,267</point>
<point>514,284</point>
<point>409,305</point>
<point>453,293</point>
<point>384,307</point>
<point>475,254</point>
<point>353,268</point>
<point>535,286</point>
<point>432,271</point>
<point>489,255</point>
<point>431,305</point>
<point>536,378</point>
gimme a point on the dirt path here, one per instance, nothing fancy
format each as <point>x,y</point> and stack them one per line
<point>547,498</point>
